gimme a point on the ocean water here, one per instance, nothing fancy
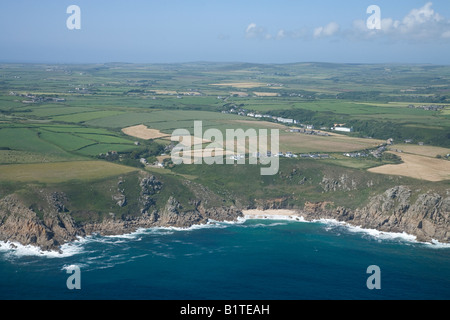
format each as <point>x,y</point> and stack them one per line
<point>249,260</point>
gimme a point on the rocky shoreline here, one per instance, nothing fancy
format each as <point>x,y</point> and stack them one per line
<point>23,226</point>
<point>426,216</point>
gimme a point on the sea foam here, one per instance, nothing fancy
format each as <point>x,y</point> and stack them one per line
<point>331,223</point>
<point>18,250</point>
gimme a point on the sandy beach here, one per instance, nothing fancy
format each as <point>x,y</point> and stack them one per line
<point>273,214</point>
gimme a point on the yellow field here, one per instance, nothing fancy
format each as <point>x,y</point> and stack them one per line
<point>297,142</point>
<point>241,85</point>
<point>418,167</point>
<point>194,140</point>
<point>426,151</point>
<point>265,94</point>
<point>164,92</point>
<point>143,132</point>
<point>61,171</point>
<point>303,143</point>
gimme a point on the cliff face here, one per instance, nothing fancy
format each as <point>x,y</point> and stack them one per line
<point>54,226</point>
<point>427,216</point>
<point>19,223</point>
<point>155,204</point>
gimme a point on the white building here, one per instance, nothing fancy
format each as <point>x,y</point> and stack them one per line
<point>342,129</point>
<point>283,120</point>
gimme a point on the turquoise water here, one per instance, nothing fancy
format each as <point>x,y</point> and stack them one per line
<point>252,260</point>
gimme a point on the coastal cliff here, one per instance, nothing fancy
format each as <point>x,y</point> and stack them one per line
<point>426,216</point>
<point>48,218</point>
<point>50,225</point>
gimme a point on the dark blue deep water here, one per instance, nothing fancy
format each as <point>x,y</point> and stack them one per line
<point>256,259</point>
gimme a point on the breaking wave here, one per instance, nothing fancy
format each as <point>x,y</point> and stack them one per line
<point>332,224</point>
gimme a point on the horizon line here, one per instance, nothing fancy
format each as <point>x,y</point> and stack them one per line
<point>221,62</point>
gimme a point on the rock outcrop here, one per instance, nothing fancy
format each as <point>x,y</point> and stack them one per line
<point>172,215</point>
<point>427,217</point>
<point>344,183</point>
<point>19,223</point>
<point>149,187</point>
<point>50,225</point>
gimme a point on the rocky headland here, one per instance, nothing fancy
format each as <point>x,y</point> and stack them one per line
<point>50,225</point>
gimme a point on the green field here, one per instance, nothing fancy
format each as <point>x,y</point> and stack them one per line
<point>102,138</point>
<point>66,141</point>
<point>96,149</point>
<point>162,120</point>
<point>61,172</point>
<point>86,116</point>
<point>52,111</point>
<point>100,100</point>
<point>76,146</point>
<point>27,139</point>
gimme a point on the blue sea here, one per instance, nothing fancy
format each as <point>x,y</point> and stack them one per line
<point>248,260</point>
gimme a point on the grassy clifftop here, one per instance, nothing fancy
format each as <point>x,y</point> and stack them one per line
<point>298,182</point>
<point>49,214</point>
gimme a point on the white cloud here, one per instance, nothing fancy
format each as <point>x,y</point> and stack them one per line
<point>419,24</point>
<point>327,31</point>
<point>255,32</point>
<point>419,17</point>
<point>281,34</point>
<point>295,34</point>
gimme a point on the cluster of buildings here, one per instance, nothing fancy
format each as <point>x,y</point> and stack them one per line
<point>267,116</point>
<point>409,141</point>
<point>156,164</point>
<point>244,113</point>
<point>309,131</point>
<point>427,108</point>
<point>36,99</point>
<point>315,156</point>
<point>268,154</point>
<point>377,153</point>
<point>304,129</point>
<point>292,155</point>
<point>278,85</point>
<point>355,154</point>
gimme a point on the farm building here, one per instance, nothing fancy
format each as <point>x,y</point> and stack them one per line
<point>342,129</point>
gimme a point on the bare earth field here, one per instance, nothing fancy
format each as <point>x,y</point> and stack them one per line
<point>427,151</point>
<point>142,132</point>
<point>418,167</point>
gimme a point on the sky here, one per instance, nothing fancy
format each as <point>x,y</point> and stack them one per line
<point>256,31</point>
